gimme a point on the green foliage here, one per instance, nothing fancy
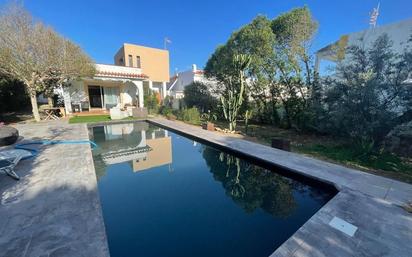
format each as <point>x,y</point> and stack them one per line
<point>209,116</point>
<point>190,115</point>
<point>89,119</point>
<point>233,95</point>
<point>13,96</point>
<point>281,74</point>
<point>198,95</point>
<point>366,95</point>
<point>150,100</point>
<point>165,110</point>
<point>348,154</point>
<point>171,116</point>
<point>255,39</point>
<point>248,115</point>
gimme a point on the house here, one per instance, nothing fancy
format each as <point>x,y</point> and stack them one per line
<point>120,84</point>
<point>399,33</point>
<point>180,80</point>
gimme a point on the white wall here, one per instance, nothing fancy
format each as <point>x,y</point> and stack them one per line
<point>129,93</point>
<point>186,78</point>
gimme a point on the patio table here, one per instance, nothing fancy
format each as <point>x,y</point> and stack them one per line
<point>52,113</point>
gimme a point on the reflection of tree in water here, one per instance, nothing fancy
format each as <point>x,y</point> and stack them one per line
<point>251,186</point>
<point>254,187</point>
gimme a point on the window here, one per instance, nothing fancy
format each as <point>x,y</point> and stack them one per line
<point>138,62</point>
<point>130,60</point>
<point>121,60</point>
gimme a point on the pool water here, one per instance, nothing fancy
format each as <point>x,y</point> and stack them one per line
<point>163,194</point>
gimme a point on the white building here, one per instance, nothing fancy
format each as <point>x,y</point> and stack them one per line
<point>180,80</point>
<point>399,33</point>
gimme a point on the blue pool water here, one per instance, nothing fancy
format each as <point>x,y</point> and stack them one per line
<point>163,194</point>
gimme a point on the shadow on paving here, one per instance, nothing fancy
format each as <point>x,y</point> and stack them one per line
<point>54,209</point>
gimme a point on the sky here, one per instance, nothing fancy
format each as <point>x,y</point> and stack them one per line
<point>195,28</point>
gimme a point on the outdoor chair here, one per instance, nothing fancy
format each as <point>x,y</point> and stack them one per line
<point>9,160</point>
<point>117,114</point>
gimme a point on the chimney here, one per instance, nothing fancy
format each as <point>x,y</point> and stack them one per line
<point>194,68</point>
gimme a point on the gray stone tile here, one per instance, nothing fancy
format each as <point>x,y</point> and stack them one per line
<point>54,210</point>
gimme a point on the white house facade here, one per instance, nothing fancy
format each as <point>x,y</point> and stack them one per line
<point>180,80</point>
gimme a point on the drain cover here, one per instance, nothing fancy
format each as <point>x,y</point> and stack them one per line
<point>343,226</point>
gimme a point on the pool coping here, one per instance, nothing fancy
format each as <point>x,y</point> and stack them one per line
<point>363,199</point>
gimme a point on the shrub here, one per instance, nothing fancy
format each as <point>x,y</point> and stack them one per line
<point>365,96</point>
<point>165,110</point>
<point>191,115</point>
<point>151,100</point>
<point>171,116</point>
<point>198,95</point>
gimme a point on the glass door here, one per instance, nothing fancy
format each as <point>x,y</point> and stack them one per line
<point>111,96</point>
<point>95,96</point>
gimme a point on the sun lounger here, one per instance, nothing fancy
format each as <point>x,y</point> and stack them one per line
<point>10,158</point>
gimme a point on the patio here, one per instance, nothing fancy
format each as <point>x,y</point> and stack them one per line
<point>54,210</point>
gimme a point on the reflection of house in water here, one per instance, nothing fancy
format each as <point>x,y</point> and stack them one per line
<point>145,146</point>
<point>160,154</point>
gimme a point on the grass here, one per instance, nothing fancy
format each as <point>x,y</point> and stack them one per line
<point>94,118</point>
<point>331,149</point>
<point>385,164</point>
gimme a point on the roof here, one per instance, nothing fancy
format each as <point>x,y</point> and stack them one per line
<point>120,75</point>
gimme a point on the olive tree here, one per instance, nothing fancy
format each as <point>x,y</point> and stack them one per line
<point>36,55</point>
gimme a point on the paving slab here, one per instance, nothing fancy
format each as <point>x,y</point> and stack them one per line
<point>54,210</point>
<point>369,202</point>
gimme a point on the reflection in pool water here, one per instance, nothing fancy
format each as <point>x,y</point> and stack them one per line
<point>166,195</point>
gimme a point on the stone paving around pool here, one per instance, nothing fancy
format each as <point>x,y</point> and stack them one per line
<point>54,210</point>
<point>369,202</point>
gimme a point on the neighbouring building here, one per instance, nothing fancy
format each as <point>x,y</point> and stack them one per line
<point>399,33</point>
<point>121,84</point>
<point>182,79</point>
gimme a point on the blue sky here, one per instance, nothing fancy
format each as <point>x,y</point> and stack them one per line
<point>195,27</point>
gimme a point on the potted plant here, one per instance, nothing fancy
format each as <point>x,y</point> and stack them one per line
<point>209,117</point>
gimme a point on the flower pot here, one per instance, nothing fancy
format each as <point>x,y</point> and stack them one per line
<point>210,126</point>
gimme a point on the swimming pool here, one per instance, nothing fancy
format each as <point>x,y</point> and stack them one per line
<point>164,194</point>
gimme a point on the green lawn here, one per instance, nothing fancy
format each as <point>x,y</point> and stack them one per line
<point>333,150</point>
<point>94,118</point>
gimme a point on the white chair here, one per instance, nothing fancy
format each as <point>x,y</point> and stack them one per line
<point>10,158</point>
<point>117,114</point>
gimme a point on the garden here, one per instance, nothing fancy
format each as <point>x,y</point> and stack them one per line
<point>358,115</point>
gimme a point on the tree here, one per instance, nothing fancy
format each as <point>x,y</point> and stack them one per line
<point>256,40</point>
<point>366,95</point>
<point>12,95</point>
<point>198,95</point>
<point>281,72</point>
<point>294,32</point>
<point>36,55</point>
